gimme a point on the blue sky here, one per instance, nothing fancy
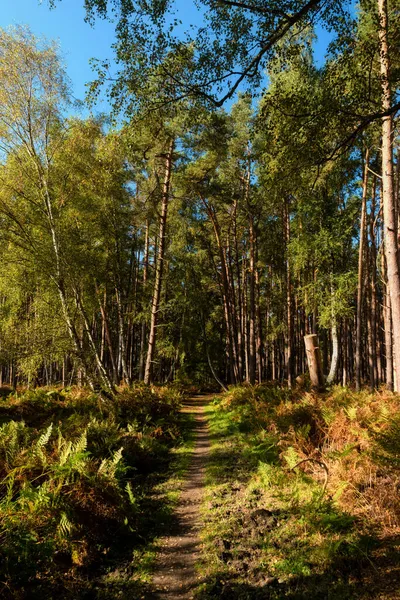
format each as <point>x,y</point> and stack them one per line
<point>78,40</point>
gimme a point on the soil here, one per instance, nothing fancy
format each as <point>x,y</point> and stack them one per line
<point>175,575</point>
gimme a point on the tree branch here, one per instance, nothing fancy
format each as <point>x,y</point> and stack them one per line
<point>257,9</point>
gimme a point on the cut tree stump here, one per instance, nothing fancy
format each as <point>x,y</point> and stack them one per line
<point>314,362</point>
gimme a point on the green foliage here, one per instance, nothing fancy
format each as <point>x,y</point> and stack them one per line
<point>387,443</point>
<point>72,476</point>
<point>264,521</point>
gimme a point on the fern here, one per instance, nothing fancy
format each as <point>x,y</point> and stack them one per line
<point>81,445</point>
<point>44,438</point>
<point>41,443</point>
<point>43,496</point>
<point>35,499</point>
<point>13,437</point>
<point>351,413</point>
<point>129,491</point>
<point>291,457</point>
<point>108,466</point>
<point>117,456</point>
<point>328,415</point>
<point>65,452</point>
<point>65,526</point>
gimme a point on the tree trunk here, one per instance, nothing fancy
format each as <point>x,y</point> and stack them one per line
<point>108,337</point>
<point>226,295</point>
<point>361,273</point>
<point>345,376</point>
<point>252,298</point>
<point>102,371</point>
<point>314,362</point>
<point>155,305</point>
<point>121,335</point>
<point>387,324</point>
<point>145,275</point>
<point>289,299</point>
<point>259,340</point>
<point>388,195</point>
<point>335,342</point>
<point>240,332</point>
<point>374,303</point>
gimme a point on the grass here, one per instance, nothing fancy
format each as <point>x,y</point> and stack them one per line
<point>302,493</point>
<point>272,530</point>
<point>86,487</point>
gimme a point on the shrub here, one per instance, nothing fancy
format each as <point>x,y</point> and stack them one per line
<point>69,476</point>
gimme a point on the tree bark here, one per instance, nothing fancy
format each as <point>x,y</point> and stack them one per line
<point>108,337</point>
<point>335,341</point>
<point>314,362</point>
<point>145,275</point>
<point>226,295</point>
<point>388,195</point>
<point>252,298</point>
<point>361,272</point>
<point>374,303</point>
<point>155,305</point>
<point>387,324</point>
<point>289,299</point>
<point>259,339</point>
<point>121,335</point>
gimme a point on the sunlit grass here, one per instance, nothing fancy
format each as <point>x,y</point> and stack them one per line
<point>271,522</point>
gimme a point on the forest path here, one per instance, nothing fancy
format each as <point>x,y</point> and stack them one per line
<point>175,575</point>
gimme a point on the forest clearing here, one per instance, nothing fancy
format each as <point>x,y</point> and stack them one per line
<point>200,300</point>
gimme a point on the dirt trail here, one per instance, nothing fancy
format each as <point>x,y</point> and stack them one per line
<point>175,574</point>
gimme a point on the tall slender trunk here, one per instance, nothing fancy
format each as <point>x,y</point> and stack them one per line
<point>375,358</point>
<point>144,328</point>
<point>155,305</point>
<point>121,335</point>
<point>240,333</point>
<point>361,273</point>
<point>387,324</point>
<point>232,308</point>
<point>388,195</point>
<point>59,280</point>
<point>226,294</point>
<point>101,369</point>
<point>245,318</point>
<point>76,340</point>
<point>103,311</point>
<point>335,339</point>
<point>252,302</point>
<point>289,299</point>
<point>345,338</point>
<point>371,352</point>
<point>259,337</point>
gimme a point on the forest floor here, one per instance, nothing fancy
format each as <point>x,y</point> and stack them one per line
<point>250,524</point>
<point>258,493</point>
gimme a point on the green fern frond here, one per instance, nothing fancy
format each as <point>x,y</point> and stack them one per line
<point>44,438</point>
<point>117,456</point>
<point>129,491</point>
<point>81,444</point>
<point>65,526</point>
<point>65,454</point>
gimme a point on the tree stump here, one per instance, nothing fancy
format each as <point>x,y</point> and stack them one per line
<point>314,362</point>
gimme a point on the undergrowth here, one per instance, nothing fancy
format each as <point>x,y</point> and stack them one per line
<point>303,495</point>
<point>81,489</point>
